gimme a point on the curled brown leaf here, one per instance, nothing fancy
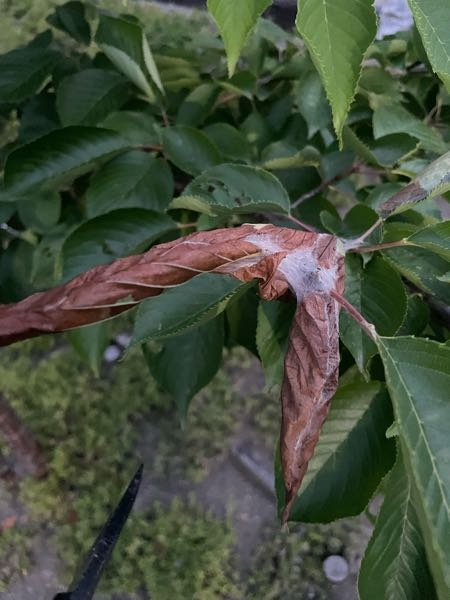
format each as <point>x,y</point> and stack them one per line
<point>308,266</point>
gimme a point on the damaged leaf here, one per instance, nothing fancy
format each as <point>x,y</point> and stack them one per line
<point>288,264</point>
<point>433,181</point>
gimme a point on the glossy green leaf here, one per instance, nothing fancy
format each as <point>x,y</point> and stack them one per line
<point>118,233</point>
<point>228,189</point>
<point>431,18</point>
<point>71,18</point>
<point>418,378</point>
<point>351,457</point>
<point>23,71</point>
<point>421,266</point>
<point>58,158</point>
<point>435,238</point>
<point>312,103</point>
<point>272,337</point>
<point>138,180</point>
<point>356,222</point>
<point>126,46</point>
<point>377,292</point>
<point>189,149</point>
<point>337,34</point>
<point>7,209</point>
<point>394,566</point>
<point>280,155</point>
<point>198,104</point>
<point>136,127</point>
<point>185,306</point>
<point>417,316</point>
<point>185,364</point>
<point>235,20</point>
<point>232,144</point>
<point>91,342</point>
<point>87,97</point>
<point>393,118</point>
<point>41,212</point>
<point>241,319</point>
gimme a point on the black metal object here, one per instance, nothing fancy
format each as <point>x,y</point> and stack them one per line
<point>85,582</point>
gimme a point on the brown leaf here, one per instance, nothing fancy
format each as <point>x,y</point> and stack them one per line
<point>308,266</point>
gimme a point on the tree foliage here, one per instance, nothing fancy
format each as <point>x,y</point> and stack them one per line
<point>115,143</point>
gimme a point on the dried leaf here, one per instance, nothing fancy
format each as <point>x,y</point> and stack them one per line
<point>304,265</point>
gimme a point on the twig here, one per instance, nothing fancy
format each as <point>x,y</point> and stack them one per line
<point>301,224</point>
<point>369,328</point>
<point>376,247</point>
<point>324,185</point>
<point>165,118</point>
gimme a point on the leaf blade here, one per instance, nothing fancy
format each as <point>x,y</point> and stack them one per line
<point>394,565</point>
<point>184,307</point>
<point>201,349</point>
<point>58,157</point>
<point>337,34</point>
<point>235,20</point>
<point>351,457</point>
<point>231,188</point>
<point>112,235</point>
<point>418,379</point>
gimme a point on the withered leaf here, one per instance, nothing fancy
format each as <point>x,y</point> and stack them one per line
<point>306,266</point>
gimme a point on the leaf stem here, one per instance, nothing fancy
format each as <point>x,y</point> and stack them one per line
<point>376,247</point>
<point>369,328</point>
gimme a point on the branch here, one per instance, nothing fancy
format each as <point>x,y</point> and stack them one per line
<point>28,452</point>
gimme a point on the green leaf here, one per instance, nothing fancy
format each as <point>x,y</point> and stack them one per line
<point>58,158</point>
<point>189,149</point>
<point>41,212</point>
<point>136,127</point>
<point>395,566</point>
<point>87,97</point>
<point>7,209</point>
<point>118,233</point>
<point>421,266</point>
<point>184,365</point>
<point>272,338</point>
<point>229,188</point>
<point>377,292</point>
<point>312,103</point>
<point>126,46</point>
<point>233,145</point>
<point>185,306</point>
<point>337,34</point>
<point>241,318</point>
<point>358,220</point>
<point>431,18</point>
<point>198,104</point>
<point>351,457</point>
<point>70,18</point>
<point>91,342</point>
<point>432,181</point>
<point>435,238</point>
<point>280,155</point>
<point>393,118</point>
<point>235,20</point>
<point>23,71</point>
<point>138,180</point>
<point>418,379</point>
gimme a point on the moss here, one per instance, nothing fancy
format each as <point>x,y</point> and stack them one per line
<point>289,563</point>
<point>88,429</point>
